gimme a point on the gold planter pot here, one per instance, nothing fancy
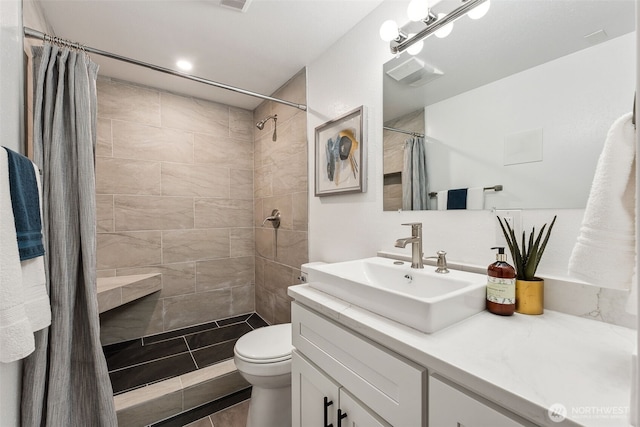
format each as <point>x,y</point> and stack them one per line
<point>530,296</point>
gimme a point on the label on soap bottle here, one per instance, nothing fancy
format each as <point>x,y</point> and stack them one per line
<point>501,290</point>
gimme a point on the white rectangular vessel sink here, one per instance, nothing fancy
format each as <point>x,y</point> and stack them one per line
<point>420,298</point>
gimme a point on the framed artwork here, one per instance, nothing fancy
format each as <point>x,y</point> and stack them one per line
<point>340,155</point>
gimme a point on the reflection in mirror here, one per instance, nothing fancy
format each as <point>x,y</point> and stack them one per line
<point>522,98</point>
<point>395,136</point>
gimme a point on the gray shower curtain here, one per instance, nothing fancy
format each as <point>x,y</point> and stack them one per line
<point>414,175</point>
<point>65,381</point>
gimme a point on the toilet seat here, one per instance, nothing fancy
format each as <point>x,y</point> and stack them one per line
<point>270,344</point>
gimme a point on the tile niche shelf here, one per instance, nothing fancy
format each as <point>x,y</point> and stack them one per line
<point>116,291</point>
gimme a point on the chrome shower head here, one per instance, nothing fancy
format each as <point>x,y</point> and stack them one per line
<point>261,123</point>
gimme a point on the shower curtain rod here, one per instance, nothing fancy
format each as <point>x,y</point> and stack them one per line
<point>419,135</point>
<point>29,32</point>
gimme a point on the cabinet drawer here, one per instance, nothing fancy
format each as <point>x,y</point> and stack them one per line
<point>449,406</point>
<point>387,383</point>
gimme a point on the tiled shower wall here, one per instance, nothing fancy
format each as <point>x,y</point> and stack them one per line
<point>281,183</point>
<point>174,196</point>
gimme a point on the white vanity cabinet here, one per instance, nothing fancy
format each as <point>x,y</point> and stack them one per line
<point>319,401</point>
<point>452,406</point>
<point>366,384</point>
<point>373,367</point>
<point>340,378</point>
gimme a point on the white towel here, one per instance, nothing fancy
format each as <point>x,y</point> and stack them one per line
<point>16,336</point>
<point>604,254</point>
<point>34,283</point>
<point>442,200</point>
<point>36,299</point>
<point>475,198</point>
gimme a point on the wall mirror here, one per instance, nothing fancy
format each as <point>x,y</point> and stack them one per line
<point>522,98</point>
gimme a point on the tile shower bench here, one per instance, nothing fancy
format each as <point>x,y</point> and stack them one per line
<point>116,291</point>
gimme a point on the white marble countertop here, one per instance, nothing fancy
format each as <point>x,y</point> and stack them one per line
<point>524,363</point>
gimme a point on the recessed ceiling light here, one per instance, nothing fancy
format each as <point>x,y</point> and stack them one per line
<point>184,65</point>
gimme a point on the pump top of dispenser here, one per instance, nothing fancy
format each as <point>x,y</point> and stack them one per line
<point>500,256</point>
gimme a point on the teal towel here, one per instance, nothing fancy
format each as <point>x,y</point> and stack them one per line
<point>25,201</point>
<point>457,199</point>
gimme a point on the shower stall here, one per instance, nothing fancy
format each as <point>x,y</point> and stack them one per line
<point>181,188</point>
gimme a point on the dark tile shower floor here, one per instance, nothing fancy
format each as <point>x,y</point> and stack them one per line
<point>143,361</point>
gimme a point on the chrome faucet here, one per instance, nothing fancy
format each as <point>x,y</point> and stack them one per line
<point>441,264</point>
<point>416,244</point>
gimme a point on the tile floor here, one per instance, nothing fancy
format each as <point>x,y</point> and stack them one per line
<point>136,363</point>
<point>229,411</point>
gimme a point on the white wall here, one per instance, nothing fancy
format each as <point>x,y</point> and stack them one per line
<point>11,107</point>
<point>352,226</point>
<point>11,83</point>
<point>636,413</point>
<point>572,109</point>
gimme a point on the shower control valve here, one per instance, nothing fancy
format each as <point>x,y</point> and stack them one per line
<point>274,219</point>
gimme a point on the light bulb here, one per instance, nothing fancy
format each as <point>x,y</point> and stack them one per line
<point>480,10</point>
<point>418,10</point>
<point>389,30</point>
<point>184,65</point>
<point>415,48</point>
<point>446,30</point>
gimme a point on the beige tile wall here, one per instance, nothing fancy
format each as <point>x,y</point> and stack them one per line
<point>175,196</point>
<point>280,181</point>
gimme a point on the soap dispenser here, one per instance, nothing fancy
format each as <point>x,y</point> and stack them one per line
<point>501,286</point>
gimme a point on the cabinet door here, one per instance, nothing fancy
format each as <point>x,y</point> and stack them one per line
<point>355,414</point>
<point>450,407</point>
<point>314,395</point>
<point>390,384</point>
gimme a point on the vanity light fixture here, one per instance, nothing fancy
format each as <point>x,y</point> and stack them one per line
<point>441,25</point>
<point>446,30</point>
<point>418,10</point>
<point>480,11</point>
<point>416,48</point>
<point>389,31</point>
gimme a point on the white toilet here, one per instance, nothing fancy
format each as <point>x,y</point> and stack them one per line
<point>263,358</point>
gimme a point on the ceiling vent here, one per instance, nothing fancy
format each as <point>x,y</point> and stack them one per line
<point>414,72</point>
<point>426,75</point>
<point>406,68</point>
<point>596,37</point>
<point>237,5</point>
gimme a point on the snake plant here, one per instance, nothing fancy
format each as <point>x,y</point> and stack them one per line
<point>526,257</point>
